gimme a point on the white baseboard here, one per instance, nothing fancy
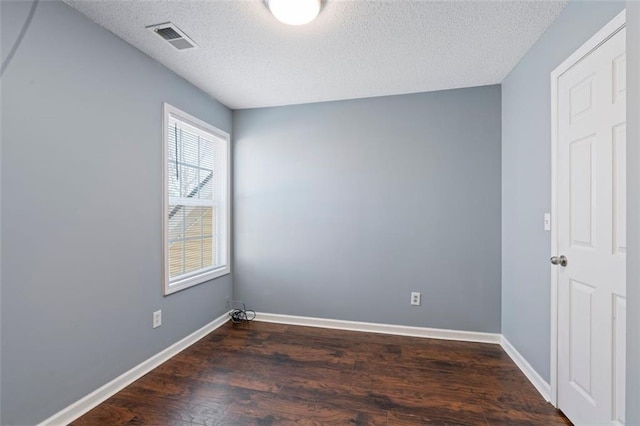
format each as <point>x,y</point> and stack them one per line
<point>80,407</point>
<point>400,330</point>
<point>432,333</point>
<point>536,380</point>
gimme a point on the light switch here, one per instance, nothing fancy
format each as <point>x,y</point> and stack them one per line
<point>547,221</point>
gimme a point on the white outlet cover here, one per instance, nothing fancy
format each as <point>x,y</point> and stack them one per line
<point>415,299</point>
<point>157,319</point>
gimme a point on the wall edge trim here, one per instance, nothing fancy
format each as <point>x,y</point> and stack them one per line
<point>400,330</point>
<point>432,333</point>
<point>536,380</point>
<point>86,403</point>
<point>83,405</point>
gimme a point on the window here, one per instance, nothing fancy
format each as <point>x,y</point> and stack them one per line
<point>196,201</point>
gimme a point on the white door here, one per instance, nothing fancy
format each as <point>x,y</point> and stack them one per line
<point>591,232</point>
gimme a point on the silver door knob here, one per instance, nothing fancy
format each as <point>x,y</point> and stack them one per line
<point>562,260</point>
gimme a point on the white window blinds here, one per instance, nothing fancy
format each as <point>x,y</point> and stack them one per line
<point>196,231</point>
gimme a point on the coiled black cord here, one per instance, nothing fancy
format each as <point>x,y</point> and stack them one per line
<point>240,315</point>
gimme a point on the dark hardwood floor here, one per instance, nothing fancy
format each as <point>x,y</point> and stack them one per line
<point>270,374</point>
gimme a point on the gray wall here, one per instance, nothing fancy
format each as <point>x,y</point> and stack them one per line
<point>81,218</point>
<point>526,178</point>
<point>343,208</point>
<point>633,190</point>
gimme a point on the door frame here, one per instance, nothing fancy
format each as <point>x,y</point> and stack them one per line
<point>604,34</point>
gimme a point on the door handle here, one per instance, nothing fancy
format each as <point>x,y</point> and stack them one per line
<point>562,260</point>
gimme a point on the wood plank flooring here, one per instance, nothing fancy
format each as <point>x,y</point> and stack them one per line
<point>271,374</point>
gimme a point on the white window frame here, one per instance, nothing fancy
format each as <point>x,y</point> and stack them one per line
<point>225,248</point>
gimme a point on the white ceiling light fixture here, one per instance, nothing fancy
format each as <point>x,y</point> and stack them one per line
<point>294,12</point>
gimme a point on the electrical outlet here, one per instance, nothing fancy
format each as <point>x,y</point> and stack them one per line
<point>415,299</point>
<point>228,303</point>
<point>157,319</point>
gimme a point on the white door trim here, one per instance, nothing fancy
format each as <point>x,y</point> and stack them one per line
<point>608,31</point>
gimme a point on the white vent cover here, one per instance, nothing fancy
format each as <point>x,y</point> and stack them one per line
<point>173,35</point>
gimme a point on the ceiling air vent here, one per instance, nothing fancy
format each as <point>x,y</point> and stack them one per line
<point>173,35</point>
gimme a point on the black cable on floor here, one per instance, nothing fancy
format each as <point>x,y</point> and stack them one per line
<point>240,315</point>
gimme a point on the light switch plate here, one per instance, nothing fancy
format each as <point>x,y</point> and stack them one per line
<point>547,221</point>
<point>157,319</point>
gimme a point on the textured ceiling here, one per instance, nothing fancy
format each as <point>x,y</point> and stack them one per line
<point>354,49</point>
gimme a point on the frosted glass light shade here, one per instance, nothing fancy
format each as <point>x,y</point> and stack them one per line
<point>294,12</point>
